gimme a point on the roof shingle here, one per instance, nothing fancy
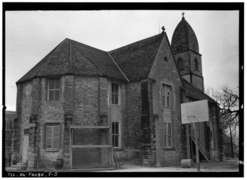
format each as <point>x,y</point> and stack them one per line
<point>136,59</point>
<point>194,92</point>
<point>71,57</point>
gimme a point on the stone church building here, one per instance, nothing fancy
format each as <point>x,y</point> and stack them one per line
<point>81,107</point>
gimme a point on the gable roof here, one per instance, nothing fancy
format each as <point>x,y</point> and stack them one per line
<point>136,59</point>
<point>195,93</point>
<point>71,57</point>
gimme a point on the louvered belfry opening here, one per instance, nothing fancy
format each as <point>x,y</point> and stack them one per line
<point>91,147</point>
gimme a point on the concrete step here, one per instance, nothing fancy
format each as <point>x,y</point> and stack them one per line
<point>19,167</point>
<point>11,169</point>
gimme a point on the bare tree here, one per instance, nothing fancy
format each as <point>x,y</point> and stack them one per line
<point>228,100</point>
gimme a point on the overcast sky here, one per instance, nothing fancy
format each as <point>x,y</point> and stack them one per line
<point>31,35</point>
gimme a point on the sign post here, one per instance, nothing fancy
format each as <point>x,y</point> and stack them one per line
<point>197,147</point>
<point>193,113</point>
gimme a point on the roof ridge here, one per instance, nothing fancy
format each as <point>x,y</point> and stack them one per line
<point>117,66</point>
<point>198,90</point>
<point>151,68</point>
<point>43,60</point>
<point>100,71</point>
<point>131,44</point>
<point>85,45</point>
<point>173,57</point>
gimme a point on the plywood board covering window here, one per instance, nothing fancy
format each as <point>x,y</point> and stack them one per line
<point>90,148</point>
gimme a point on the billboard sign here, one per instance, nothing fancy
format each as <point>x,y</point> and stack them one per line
<point>196,111</point>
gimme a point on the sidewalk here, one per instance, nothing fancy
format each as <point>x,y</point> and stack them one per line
<point>225,166</point>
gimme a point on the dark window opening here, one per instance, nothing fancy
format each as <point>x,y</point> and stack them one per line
<point>180,64</point>
<point>165,59</point>
<point>115,134</point>
<point>115,93</point>
<point>196,64</point>
<point>168,138</point>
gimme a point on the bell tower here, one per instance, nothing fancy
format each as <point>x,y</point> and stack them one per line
<point>186,52</point>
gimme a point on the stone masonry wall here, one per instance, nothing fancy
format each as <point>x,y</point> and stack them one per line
<point>51,112</point>
<point>194,56</point>
<point>17,126</point>
<point>86,101</point>
<point>10,117</point>
<point>186,62</point>
<point>132,118</point>
<point>166,72</point>
<point>26,106</point>
<point>68,106</point>
<point>34,131</point>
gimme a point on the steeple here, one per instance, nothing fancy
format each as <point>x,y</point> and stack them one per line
<point>185,48</point>
<point>183,15</point>
<point>184,37</point>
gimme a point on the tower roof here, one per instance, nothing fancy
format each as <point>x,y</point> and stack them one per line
<point>184,38</point>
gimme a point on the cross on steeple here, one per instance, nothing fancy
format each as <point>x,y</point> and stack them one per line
<point>163,29</point>
<point>183,14</point>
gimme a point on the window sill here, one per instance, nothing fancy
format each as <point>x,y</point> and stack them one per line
<point>53,101</point>
<point>52,150</point>
<point>117,105</point>
<point>169,149</point>
<point>117,149</point>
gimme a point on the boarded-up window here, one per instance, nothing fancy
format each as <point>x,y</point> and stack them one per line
<point>115,93</point>
<point>52,136</point>
<point>115,134</point>
<point>89,136</point>
<point>53,89</point>
<point>91,148</point>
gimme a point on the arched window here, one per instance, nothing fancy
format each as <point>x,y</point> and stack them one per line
<point>180,64</point>
<point>196,64</point>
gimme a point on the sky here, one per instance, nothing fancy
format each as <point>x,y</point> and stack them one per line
<point>31,35</point>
